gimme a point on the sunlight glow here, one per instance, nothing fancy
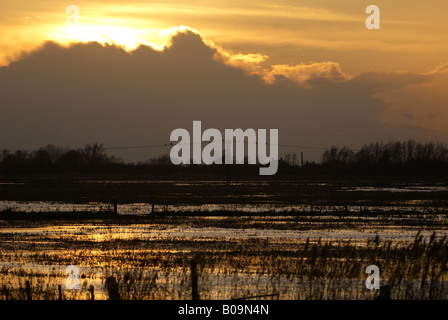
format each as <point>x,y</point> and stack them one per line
<point>128,38</point>
<point>125,37</point>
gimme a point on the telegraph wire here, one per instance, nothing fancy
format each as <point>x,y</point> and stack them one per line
<point>170,144</point>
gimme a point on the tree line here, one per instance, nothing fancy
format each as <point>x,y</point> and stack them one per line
<point>53,159</point>
<point>386,158</point>
<point>395,157</point>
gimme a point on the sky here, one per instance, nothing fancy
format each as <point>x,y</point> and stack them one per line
<point>131,72</point>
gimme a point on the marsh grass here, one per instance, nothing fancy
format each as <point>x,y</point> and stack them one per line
<point>229,268</point>
<point>240,254</point>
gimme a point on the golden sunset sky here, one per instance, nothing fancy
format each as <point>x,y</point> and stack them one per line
<point>399,70</point>
<point>412,36</point>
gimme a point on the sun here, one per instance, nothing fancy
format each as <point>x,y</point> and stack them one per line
<point>128,38</point>
<point>125,37</point>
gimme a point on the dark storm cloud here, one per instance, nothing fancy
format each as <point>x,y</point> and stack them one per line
<point>71,96</point>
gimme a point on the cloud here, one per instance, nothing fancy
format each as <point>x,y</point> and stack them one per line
<point>303,72</point>
<point>83,93</point>
<point>36,17</point>
<point>422,103</point>
<point>442,69</point>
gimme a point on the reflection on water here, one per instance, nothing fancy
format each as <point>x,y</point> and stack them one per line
<point>257,227</point>
<point>413,206</point>
<point>401,189</point>
<point>280,247</point>
<point>243,256</point>
<point>182,183</point>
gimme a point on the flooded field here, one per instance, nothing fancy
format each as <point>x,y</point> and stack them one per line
<point>314,246</point>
